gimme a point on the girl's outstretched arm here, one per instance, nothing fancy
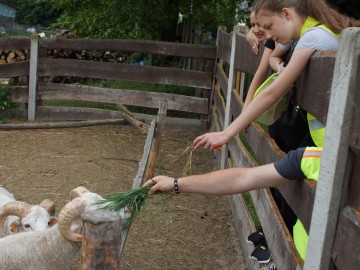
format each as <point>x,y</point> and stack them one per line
<point>261,103</point>
<point>222,182</point>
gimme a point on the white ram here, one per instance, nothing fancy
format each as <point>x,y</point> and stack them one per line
<point>52,249</point>
<point>17,216</point>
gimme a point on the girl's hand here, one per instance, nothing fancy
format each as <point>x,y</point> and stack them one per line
<point>253,41</point>
<point>161,182</point>
<point>210,140</point>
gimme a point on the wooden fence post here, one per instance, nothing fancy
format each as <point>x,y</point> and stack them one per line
<point>101,247</point>
<point>332,178</point>
<point>34,53</point>
<point>231,85</point>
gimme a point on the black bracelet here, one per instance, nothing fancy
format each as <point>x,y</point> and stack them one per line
<point>176,186</point>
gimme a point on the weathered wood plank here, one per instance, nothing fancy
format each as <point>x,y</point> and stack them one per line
<point>300,196</point>
<point>335,161</point>
<point>155,147</point>
<point>277,235</point>
<point>354,185</point>
<point>60,113</point>
<point>132,45</point>
<point>314,84</point>
<point>64,124</point>
<point>14,69</point>
<point>15,43</point>
<point>143,165</point>
<point>224,45</point>
<point>346,248</point>
<point>33,76</point>
<point>244,226</point>
<point>101,240</point>
<point>49,91</point>
<point>174,123</point>
<point>245,60</point>
<point>228,95</point>
<point>150,74</point>
<point>354,141</point>
<point>221,78</point>
<point>219,105</point>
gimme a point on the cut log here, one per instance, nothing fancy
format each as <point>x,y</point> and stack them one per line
<point>129,117</point>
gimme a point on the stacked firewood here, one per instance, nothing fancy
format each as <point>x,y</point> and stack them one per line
<point>91,55</point>
<point>12,56</point>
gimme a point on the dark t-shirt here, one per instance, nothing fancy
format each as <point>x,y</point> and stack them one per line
<point>289,167</point>
<point>269,43</point>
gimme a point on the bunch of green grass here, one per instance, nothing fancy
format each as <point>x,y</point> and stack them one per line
<point>135,199</point>
<point>132,200</point>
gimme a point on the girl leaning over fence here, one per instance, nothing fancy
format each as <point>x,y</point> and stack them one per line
<point>316,26</point>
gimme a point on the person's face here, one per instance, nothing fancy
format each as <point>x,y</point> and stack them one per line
<point>277,26</point>
<point>258,32</point>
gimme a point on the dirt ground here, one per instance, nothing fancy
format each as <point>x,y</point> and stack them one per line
<point>176,232</point>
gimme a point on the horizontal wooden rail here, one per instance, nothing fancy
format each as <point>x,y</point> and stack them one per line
<point>15,43</point>
<point>14,69</point>
<point>132,45</point>
<point>149,74</point>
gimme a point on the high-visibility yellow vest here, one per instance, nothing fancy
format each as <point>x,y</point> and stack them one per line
<point>317,129</point>
<point>310,166</point>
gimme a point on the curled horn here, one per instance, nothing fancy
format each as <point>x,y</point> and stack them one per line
<point>49,206</point>
<point>15,208</point>
<point>77,192</point>
<point>70,212</point>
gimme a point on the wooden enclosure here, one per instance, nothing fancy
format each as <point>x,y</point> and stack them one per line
<point>40,67</point>
<point>328,88</point>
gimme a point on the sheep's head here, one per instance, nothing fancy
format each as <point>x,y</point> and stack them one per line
<point>20,216</point>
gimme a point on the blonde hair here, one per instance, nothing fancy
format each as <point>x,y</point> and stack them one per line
<point>319,9</point>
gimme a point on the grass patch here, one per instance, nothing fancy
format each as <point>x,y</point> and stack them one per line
<point>251,208</point>
<point>142,86</point>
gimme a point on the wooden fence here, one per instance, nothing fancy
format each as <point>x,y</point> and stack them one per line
<point>329,89</point>
<point>40,67</point>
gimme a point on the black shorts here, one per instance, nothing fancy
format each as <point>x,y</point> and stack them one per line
<point>289,167</point>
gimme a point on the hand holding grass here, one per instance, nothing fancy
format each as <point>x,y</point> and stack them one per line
<point>160,183</point>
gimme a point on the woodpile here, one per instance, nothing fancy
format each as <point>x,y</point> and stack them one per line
<point>12,56</point>
<point>92,55</point>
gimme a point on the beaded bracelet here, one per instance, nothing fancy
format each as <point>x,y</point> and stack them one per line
<point>176,186</point>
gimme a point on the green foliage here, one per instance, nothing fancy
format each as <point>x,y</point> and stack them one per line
<point>35,12</point>
<point>5,98</point>
<point>114,18</point>
<point>132,200</point>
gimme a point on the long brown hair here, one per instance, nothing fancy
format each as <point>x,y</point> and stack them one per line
<point>319,9</point>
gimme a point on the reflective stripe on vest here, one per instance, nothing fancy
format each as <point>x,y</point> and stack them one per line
<point>317,129</point>
<point>310,166</point>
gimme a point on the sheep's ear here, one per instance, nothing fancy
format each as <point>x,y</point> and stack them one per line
<point>14,227</point>
<point>53,221</point>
